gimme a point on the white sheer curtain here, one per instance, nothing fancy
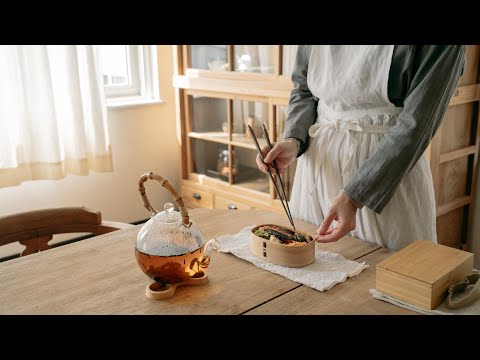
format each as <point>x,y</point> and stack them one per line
<point>52,113</point>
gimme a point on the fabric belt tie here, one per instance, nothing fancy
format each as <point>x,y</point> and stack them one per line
<point>346,125</point>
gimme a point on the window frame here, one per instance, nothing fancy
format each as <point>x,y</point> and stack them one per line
<point>143,87</point>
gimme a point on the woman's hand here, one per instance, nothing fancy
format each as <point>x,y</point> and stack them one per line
<point>343,211</point>
<point>284,152</point>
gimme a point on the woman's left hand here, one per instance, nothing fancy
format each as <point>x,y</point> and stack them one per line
<point>344,212</point>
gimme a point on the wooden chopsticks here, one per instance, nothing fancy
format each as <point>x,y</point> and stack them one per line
<point>283,198</point>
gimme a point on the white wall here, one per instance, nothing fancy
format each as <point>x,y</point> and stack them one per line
<point>143,139</point>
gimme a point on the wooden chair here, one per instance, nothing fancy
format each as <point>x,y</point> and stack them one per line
<point>35,229</point>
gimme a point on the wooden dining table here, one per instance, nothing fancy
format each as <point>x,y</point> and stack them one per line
<point>100,275</point>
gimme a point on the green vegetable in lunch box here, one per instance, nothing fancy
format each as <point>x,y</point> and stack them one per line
<point>262,234</point>
<point>300,238</point>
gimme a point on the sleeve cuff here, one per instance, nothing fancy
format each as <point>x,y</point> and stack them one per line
<point>296,141</point>
<point>358,204</point>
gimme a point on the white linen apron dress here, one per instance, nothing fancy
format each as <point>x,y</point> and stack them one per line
<point>354,113</point>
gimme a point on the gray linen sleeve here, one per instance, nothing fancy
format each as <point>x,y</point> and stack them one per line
<point>437,71</point>
<point>302,106</point>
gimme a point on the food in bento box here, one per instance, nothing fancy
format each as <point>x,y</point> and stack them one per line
<point>281,235</point>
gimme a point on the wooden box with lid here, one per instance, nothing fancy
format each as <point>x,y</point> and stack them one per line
<point>421,273</point>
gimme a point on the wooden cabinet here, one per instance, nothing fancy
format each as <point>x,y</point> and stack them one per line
<point>195,197</point>
<point>454,153</point>
<point>230,204</point>
<point>220,89</point>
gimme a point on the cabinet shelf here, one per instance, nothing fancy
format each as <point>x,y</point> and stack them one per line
<point>239,140</point>
<point>254,184</point>
<point>251,187</point>
<point>218,137</point>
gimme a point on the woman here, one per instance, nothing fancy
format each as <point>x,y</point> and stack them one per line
<point>362,116</point>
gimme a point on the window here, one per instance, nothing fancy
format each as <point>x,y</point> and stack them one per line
<point>130,74</point>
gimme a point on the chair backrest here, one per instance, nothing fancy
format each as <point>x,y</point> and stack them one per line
<point>35,229</point>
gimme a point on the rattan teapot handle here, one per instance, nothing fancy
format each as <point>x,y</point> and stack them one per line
<point>141,187</point>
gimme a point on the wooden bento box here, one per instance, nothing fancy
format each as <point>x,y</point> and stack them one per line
<point>421,273</point>
<point>280,254</point>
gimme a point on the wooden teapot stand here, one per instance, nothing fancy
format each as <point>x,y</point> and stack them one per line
<point>159,291</point>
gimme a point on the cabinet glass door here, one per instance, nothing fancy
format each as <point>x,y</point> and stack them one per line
<point>254,58</point>
<point>219,144</point>
<point>208,57</point>
<point>246,173</point>
<point>210,158</point>
<point>251,113</point>
<point>209,117</point>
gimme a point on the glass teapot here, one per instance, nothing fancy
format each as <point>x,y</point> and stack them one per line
<point>170,248</point>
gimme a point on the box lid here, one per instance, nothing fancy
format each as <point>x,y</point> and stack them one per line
<point>425,261</point>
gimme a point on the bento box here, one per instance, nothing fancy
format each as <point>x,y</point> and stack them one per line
<point>281,245</point>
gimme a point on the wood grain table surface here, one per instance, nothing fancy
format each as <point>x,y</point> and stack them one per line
<point>100,275</point>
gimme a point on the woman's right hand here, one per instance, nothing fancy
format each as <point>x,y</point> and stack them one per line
<point>284,152</point>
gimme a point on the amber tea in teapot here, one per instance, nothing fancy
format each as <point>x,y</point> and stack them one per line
<point>170,248</point>
<point>173,269</point>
